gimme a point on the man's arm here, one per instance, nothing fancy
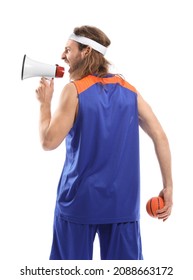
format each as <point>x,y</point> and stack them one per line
<point>53,129</point>
<point>150,124</point>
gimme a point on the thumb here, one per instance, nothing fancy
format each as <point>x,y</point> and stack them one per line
<point>52,83</point>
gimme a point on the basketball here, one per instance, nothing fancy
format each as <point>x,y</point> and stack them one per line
<point>154,204</point>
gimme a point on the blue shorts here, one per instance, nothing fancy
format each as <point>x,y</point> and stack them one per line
<point>73,241</point>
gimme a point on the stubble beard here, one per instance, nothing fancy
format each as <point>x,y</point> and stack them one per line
<point>75,69</point>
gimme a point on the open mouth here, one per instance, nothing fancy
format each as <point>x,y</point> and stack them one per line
<point>67,66</point>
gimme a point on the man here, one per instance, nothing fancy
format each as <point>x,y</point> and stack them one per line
<point>99,190</point>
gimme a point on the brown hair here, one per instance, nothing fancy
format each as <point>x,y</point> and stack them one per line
<point>95,63</point>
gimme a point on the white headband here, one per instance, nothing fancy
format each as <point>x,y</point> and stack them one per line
<point>89,42</point>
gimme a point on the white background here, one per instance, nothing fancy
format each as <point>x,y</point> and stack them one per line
<point>152,47</point>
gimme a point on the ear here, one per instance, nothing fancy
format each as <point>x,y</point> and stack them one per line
<point>86,51</point>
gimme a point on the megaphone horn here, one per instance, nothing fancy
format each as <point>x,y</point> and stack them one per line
<point>32,68</point>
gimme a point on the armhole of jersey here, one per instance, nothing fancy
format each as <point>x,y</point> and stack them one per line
<point>77,109</point>
<point>80,85</point>
<point>76,86</point>
<point>130,87</point>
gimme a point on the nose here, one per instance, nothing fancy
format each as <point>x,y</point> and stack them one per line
<point>63,56</point>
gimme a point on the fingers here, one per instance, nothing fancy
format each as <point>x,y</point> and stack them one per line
<point>164,213</point>
<point>38,92</point>
<point>45,90</point>
<point>45,83</point>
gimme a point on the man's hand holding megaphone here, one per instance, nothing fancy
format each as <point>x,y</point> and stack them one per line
<point>45,91</point>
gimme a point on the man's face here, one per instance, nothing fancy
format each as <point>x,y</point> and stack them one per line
<point>72,55</point>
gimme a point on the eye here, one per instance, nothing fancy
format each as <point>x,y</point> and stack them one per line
<point>67,51</point>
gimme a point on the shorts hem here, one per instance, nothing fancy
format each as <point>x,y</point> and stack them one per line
<point>97,221</point>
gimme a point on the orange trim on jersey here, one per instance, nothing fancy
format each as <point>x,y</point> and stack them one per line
<point>88,81</point>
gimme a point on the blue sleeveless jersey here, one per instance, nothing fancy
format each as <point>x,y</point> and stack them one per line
<point>100,182</point>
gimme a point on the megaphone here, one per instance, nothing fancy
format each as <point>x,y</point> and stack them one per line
<point>32,68</point>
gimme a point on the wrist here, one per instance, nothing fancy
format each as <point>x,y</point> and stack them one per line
<point>45,113</point>
<point>45,105</point>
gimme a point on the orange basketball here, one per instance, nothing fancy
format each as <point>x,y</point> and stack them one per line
<point>154,204</point>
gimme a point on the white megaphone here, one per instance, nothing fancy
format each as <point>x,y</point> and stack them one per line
<point>32,68</point>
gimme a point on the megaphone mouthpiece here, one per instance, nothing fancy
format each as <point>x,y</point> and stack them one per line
<point>32,68</point>
<point>59,71</point>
